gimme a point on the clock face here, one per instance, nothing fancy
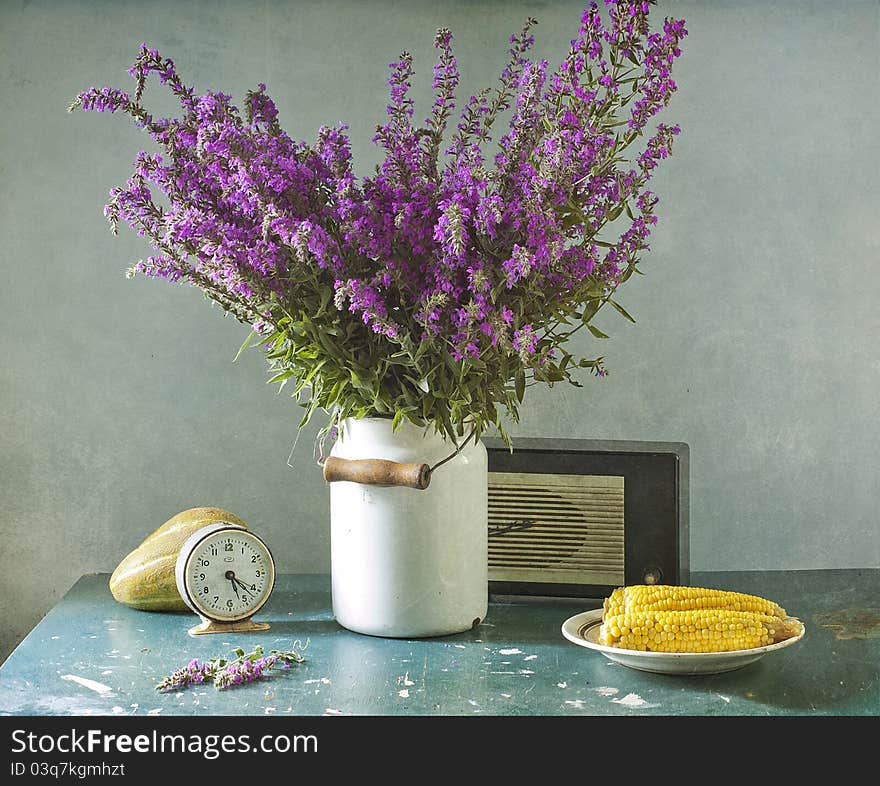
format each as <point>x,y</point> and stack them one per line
<point>229,574</point>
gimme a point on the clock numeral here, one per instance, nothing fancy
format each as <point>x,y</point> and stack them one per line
<point>253,557</point>
<point>227,546</point>
<point>204,563</point>
<point>216,598</point>
<point>254,587</point>
<point>229,603</point>
<point>206,590</point>
<point>258,573</point>
<point>213,551</point>
<point>202,576</point>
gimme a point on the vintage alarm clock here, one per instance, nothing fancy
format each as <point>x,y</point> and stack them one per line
<point>225,574</point>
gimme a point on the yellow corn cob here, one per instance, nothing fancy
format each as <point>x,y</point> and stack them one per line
<point>696,630</point>
<point>665,597</point>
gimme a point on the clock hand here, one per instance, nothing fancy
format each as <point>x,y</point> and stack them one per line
<point>231,576</point>
<point>244,586</point>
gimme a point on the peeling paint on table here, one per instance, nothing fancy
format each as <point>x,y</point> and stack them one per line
<point>851,623</point>
<point>92,656</point>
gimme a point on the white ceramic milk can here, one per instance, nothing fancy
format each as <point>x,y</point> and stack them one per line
<point>407,560</point>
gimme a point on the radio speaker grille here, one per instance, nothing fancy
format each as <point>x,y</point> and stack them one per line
<point>557,529</point>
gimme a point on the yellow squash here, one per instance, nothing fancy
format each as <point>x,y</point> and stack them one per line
<point>145,578</point>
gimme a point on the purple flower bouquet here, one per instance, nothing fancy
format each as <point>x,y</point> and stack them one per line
<point>439,288</point>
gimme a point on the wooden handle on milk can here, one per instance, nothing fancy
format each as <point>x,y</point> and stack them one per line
<point>377,472</point>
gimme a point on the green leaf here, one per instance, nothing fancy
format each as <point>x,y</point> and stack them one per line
<point>595,289</point>
<point>306,418</point>
<point>333,395</point>
<point>247,341</point>
<point>284,375</point>
<point>504,435</point>
<point>616,123</point>
<point>520,384</point>
<point>366,383</point>
<point>596,332</point>
<point>315,369</point>
<point>590,309</point>
<point>409,397</point>
<point>572,220</point>
<point>447,424</point>
<point>621,310</point>
<point>326,292</point>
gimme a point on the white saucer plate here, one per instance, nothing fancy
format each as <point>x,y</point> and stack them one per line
<point>583,629</point>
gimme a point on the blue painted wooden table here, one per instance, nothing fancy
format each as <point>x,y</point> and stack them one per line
<point>93,656</point>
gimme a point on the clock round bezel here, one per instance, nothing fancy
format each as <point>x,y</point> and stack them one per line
<point>188,551</point>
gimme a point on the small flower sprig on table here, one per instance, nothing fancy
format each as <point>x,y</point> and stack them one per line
<point>245,667</point>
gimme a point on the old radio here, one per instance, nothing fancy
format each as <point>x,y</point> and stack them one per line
<point>577,518</point>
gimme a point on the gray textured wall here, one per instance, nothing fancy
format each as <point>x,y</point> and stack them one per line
<point>757,330</point>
